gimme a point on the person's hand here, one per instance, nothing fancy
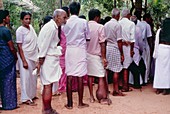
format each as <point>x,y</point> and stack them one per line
<point>104,61</point>
<point>132,53</point>
<point>122,59</point>
<point>38,66</point>
<point>25,64</point>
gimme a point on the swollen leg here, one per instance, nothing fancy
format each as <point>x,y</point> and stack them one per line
<point>69,92</point>
<point>47,96</point>
<point>90,85</point>
<point>80,93</point>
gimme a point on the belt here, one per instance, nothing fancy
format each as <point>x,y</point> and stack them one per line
<point>163,42</point>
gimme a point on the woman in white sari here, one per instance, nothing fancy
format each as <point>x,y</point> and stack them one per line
<point>26,40</point>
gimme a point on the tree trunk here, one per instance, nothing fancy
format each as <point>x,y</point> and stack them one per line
<point>114,5</point>
<point>60,3</point>
<point>138,7</point>
<point>1,4</point>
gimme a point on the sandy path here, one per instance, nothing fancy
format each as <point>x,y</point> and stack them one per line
<point>135,102</point>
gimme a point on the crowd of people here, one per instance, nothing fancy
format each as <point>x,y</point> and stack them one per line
<point>70,51</point>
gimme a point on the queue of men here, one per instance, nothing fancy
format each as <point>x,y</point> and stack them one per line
<point>120,47</point>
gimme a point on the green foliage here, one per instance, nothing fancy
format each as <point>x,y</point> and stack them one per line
<point>159,10</point>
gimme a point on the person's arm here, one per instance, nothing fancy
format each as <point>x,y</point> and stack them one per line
<point>21,53</point>
<point>103,54</point>
<point>12,48</point>
<point>120,46</point>
<point>132,39</point>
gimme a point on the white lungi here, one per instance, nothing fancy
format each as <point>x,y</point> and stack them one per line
<point>95,66</point>
<point>50,70</point>
<point>76,61</point>
<point>127,58</point>
<point>162,68</point>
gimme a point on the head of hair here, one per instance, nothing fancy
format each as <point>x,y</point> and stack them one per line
<point>24,13</point>
<point>102,21</point>
<point>1,16</point>
<point>94,13</point>
<point>47,19</point>
<point>66,9</point>
<point>138,14</point>
<point>125,12</point>
<point>115,12</point>
<point>6,13</point>
<point>133,19</point>
<point>107,18</point>
<point>82,16</point>
<point>57,12</point>
<point>74,8</point>
<point>147,15</point>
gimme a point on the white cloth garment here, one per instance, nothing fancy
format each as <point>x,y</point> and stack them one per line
<point>128,34</point>
<point>47,43</point>
<point>28,38</point>
<point>76,31</point>
<point>155,53</point>
<point>113,32</point>
<point>95,66</point>
<point>146,51</point>
<point>162,68</point>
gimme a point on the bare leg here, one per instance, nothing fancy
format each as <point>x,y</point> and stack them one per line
<point>102,93</point>
<point>125,81</point>
<point>80,93</point>
<point>90,85</point>
<point>116,91</point>
<point>46,97</point>
<point>69,93</point>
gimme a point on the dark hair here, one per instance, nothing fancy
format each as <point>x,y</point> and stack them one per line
<point>24,13</point>
<point>94,13</point>
<point>82,16</point>
<point>138,14</point>
<point>74,8</point>
<point>6,13</point>
<point>3,15</point>
<point>107,18</point>
<point>147,15</point>
<point>66,9</point>
<point>47,19</point>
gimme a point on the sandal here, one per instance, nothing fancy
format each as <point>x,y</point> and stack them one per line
<point>50,111</point>
<point>106,101</point>
<point>126,90</point>
<point>30,103</point>
<point>83,105</point>
<point>68,107</point>
<point>115,93</point>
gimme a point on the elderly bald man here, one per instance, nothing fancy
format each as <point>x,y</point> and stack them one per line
<point>49,52</point>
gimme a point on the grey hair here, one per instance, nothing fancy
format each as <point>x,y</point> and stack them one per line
<point>58,12</point>
<point>115,12</point>
<point>125,12</point>
<point>133,18</point>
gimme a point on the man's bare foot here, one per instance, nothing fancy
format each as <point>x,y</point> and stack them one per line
<point>92,100</point>
<point>83,105</point>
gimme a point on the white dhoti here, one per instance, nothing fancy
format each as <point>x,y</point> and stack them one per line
<point>162,68</point>
<point>50,70</point>
<point>127,57</point>
<point>95,66</point>
<point>76,61</point>
<point>146,58</point>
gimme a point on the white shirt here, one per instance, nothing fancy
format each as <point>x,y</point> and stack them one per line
<point>76,31</point>
<point>128,30</point>
<point>48,40</point>
<point>138,45</point>
<point>113,32</point>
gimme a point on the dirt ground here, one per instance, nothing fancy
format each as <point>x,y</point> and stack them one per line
<point>135,102</point>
